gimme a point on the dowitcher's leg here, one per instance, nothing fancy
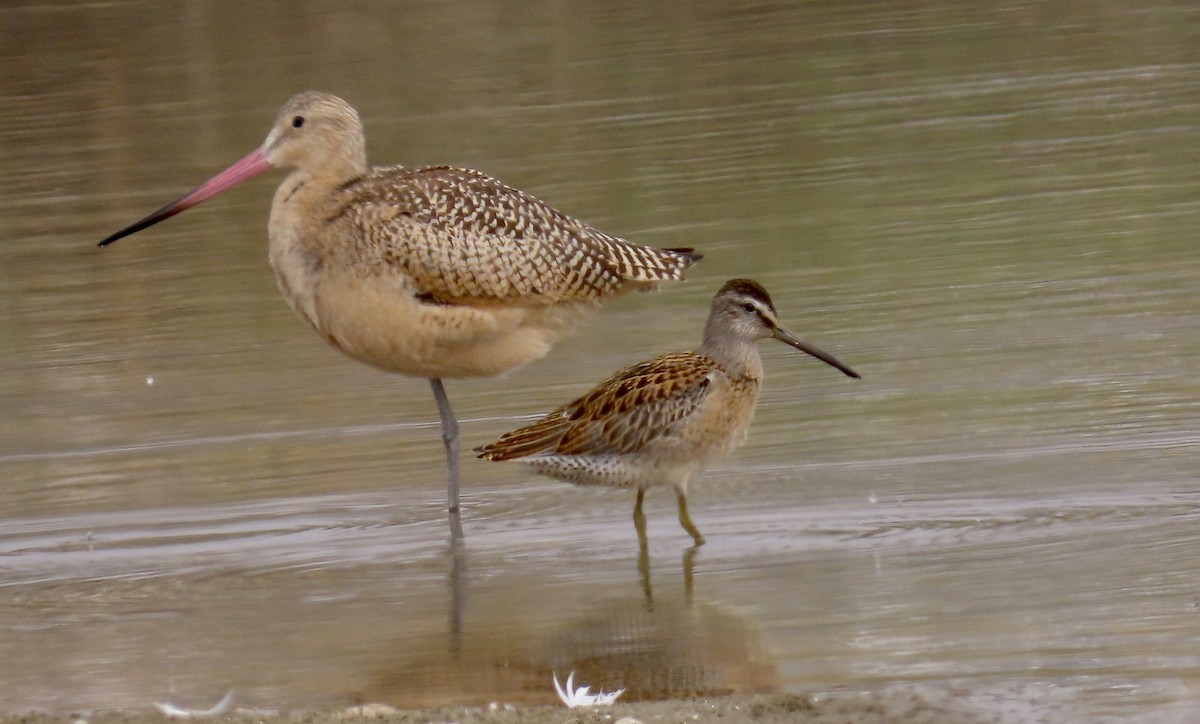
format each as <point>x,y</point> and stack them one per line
<point>639,522</point>
<point>644,574</point>
<point>450,439</point>
<point>689,566</point>
<point>639,519</point>
<point>686,520</point>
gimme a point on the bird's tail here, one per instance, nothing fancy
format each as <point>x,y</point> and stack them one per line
<point>648,264</point>
<point>540,437</point>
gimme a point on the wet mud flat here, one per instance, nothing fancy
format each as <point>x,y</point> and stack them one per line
<point>892,705</point>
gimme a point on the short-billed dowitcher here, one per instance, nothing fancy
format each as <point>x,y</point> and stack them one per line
<point>433,272</point>
<point>663,421</point>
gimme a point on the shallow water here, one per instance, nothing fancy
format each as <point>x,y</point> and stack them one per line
<point>988,209</point>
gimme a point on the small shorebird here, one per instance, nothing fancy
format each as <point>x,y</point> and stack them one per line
<point>663,421</point>
<point>432,272</point>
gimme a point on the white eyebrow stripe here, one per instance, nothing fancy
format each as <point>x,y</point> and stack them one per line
<point>765,311</point>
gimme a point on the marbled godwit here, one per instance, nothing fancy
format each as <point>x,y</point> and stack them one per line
<point>432,272</point>
<point>663,421</point>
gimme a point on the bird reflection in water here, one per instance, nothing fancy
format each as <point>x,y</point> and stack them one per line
<point>654,644</point>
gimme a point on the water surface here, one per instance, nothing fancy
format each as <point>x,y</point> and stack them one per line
<point>989,209</point>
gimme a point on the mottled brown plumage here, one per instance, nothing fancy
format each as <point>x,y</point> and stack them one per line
<point>465,238</point>
<point>432,272</point>
<point>624,414</point>
<point>663,421</point>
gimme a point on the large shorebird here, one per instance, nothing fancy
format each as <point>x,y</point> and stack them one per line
<point>432,272</point>
<point>663,421</point>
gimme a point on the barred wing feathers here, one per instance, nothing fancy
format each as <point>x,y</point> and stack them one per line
<point>463,236</point>
<point>622,415</point>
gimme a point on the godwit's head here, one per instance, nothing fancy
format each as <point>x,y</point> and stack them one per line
<point>316,133</point>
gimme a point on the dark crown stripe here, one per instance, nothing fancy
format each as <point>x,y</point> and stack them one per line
<point>748,288</point>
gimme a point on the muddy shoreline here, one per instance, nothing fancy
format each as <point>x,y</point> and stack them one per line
<point>843,707</point>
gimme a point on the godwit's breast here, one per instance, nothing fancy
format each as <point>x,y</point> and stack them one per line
<point>373,281</point>
<point>383,321</point>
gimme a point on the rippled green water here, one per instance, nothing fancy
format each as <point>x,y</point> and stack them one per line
<point>989,209</point>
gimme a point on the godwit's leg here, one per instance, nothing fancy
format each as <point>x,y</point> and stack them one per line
<point>458,597</point>
<point>686,520</point>
<point>639,519</point>
<point>450,439</point>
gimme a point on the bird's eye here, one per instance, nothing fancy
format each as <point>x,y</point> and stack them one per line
<point>748,307</point>
<point>297,121</point>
